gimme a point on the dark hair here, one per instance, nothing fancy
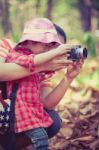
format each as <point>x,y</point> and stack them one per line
<point>61,32</point>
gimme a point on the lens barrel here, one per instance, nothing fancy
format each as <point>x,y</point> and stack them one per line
<point>78,53</point>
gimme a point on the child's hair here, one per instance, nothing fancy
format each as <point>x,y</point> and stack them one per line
<point>61,32</point>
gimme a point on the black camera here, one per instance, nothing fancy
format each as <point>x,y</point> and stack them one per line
<point>77,53</point>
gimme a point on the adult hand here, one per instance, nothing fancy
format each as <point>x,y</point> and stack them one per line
<point>59,62</point>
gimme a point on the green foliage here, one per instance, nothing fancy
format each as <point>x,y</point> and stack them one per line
<point>90,80</point>
<point>64,12</point>
<point>1,31</point>
<point>89,41</point>
<point>72,3</point>
<point>15,38</point>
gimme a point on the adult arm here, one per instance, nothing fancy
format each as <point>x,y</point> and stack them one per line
<point>13,71</point>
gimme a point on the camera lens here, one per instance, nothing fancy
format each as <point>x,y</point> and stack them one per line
<point>77,53</point>
<point>85,53</point>
<point>81,53</point>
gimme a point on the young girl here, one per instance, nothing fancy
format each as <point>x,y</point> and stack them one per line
<point>12,71</point>
<point>34,49</point>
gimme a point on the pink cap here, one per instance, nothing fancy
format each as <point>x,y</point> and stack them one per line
<point>40,30</point>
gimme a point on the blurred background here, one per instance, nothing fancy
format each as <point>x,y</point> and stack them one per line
<point>79,18</point>
<point>79,108</point>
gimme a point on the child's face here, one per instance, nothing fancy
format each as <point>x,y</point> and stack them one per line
<point>37,47</point>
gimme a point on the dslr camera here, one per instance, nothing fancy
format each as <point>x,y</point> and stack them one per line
<point>78,52</point>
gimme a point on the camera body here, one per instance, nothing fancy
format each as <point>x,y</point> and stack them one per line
<point>77,53</point>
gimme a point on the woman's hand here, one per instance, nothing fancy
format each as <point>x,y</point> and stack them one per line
<point>59,62</point>
<point>74,69</point>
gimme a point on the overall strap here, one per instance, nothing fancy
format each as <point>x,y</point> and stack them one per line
<point>12,112</point>
<point>3,89</point>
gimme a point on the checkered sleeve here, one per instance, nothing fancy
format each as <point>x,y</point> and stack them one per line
<point>22,59</point>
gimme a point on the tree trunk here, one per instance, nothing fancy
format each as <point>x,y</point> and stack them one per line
<point>49,9</point>
<point>1,10</point>
<point>85,13</point>
<point>5,21</point>
<point>37,6</point>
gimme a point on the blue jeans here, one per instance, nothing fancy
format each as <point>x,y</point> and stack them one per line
<point>57,123</point>
<point>39,138</point>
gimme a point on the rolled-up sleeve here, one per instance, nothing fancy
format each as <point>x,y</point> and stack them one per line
<point>22,59</point>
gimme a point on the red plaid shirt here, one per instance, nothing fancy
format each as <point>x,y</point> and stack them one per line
<point>29,111</point>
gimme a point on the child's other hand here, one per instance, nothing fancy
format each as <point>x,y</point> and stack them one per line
<point>74,69</point>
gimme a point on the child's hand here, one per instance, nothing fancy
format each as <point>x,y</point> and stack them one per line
<point>63,49</point>
<point>74,69</point>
